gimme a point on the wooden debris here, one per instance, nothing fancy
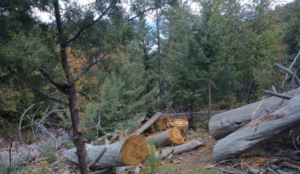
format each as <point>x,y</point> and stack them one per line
<point>149,123</point>
<point>177,150</point>
<point>225,123</point>
<point>259,131</point>
<point>179,123</point>
<point>166,138</point>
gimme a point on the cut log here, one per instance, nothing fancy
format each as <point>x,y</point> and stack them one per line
<point>149,123</point>
<point>201,114</point>
<point>177,150</point>
<point>179,123</point>
<point>166,138</point>
<point>259,131</point>
<point>131,151</point>
<point>225,123</point>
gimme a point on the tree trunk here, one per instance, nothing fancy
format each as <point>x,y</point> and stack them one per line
<point>70,90</point>
<point>259,131</point>
<point>209,101</point>
<point>166,138</point>
<point>225,123</point>
<point>131,151</point>
<point>177,150</point>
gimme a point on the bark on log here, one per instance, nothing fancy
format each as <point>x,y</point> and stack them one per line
<point>131,151</point>
<point>149,123</point>
<point>225,123</point>
<point>201,114</point>
<point>180,149</point>
<point>166,138</point>
<point>259,131</point>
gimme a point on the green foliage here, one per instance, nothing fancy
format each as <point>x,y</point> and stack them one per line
<point>151,161</point>
<point>48,151</point>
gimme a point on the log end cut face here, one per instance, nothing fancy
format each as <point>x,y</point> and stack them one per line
<point>178,122</point>
<point>134,150</point>
<point>177,135</point>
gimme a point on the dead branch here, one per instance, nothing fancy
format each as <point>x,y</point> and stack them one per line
<point>288,71</point>
<point>276,94</point>
<point>98,157</point>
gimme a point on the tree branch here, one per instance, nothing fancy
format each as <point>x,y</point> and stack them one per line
<point>43,93</point>
<point>276,94</point>
<point>89,67</point>
<point>77,35</point>
<point>60,86</point>
<point>288,72</point>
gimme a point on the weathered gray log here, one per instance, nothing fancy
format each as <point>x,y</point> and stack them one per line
<point>160,140</point>
<point>181,148</point>
<point>149,123</point>
<point>111,157</point>
<point>259,131</point>
<point>187,115</point>
<point>225,123</point>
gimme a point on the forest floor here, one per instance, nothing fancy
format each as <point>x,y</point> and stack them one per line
<point>197,161</point>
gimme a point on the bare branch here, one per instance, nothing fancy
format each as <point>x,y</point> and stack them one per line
<point>276,94</point>
<point>90,65</point>
<point>289,72</point>
<point>98,157</point>
<point>44,93</point>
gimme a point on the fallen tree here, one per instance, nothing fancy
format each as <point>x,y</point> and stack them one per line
<point>131,151</point>
<point>259,131</point>
<point>225,123</point>
<point>166,138</point>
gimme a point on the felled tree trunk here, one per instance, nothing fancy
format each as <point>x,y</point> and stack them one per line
<point>259,131</point>
<point>131,151</point>
<point>177,150</point>
<point>225,123</point>
<point>166,138</point>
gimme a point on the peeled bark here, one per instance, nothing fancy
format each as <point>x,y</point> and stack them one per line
<point>177,150</point>
<point>167,137</point>
<point>225,123</point>
<point>259,131</point>
<point>149,123</point>
<point>131,151</point>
